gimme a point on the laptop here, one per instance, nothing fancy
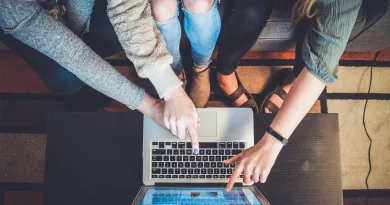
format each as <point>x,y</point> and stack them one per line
<point>172,174</point>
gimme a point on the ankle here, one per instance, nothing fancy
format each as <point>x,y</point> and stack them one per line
<point>226,80</point>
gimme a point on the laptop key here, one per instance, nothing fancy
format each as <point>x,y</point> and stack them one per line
<point>161,164</point>
<point>197,171</point>
<point>222,176</point>
<point>229,171</point>
<point>200,164</point>
<point>189,145</point>
<point>213,164</point>
<point>168,176</point>
<point>157,158</point>
<point>156,171</point>
<point>182,145</point>
<point>218,158</point>
<point>215,152</point>
<point>195,176</point>
<point>198,158</point>
<point>188,176</point>
<point>208,152</point>
<point>229,145</point>
<point>203,171</point>
<point>172,158</point>
<point>177,171</point>
<point>154,143</point>
<point>166,158</point>
<point>161,145</point>
<point>192,158</point>
<point>211,158</point>
<point>221,152</point>
<point>227,152</point>
<point>189,151</point>
<point>167,164</point>
<point>169,152</point>
<point>205,158</point>
<point>164,171</point>
<point>179,158</point>
<point>206,164</point>
<point>182,152</point>
<point>219,164</point>
<point>202,176</point>
<point>190,171</point>
<point>215,176</point>
<point>233,165</point>
<point>242,145</point>
<point>154,176</point>
<point>216,171</point>
<point>176,152</point>
<point>174,145</point>
<point>174,164</point>
<point>235,145</point>
<point>224,158</point>
<point>223,171</point>
<point>170,171</point>
<point>222,145</point>
<point>185,158</point>
<point>226,165</point>
<point>208,145</point>
<point>201,152</point>
<point>187,164</point>
<point>209,176</point>
<point>161,176</point>
<point>181,176</point>
<point>181,164</point>
<point>154,164</point>
<point>210,171</point>
<point>236,151</point>
<point>193,164</point>
<point>183,171</point>
<point>228,176</point>
<point>175,176</point>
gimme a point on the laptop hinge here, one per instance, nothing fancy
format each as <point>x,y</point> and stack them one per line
<point>195,185</point>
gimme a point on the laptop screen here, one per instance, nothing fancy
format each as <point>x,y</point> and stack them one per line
<point>212,196</point>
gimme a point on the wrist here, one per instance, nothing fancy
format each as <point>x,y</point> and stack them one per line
<point>174,93</point>
<point>147,105</point>
<point>271,142</point>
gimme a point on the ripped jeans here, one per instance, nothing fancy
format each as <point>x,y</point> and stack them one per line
<point>202,31</point>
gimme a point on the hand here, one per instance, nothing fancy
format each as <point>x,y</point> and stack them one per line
<point>180,116</point>
<point>256,162</point>
<point>153,108</point>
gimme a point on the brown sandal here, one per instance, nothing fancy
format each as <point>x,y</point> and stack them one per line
<point>250,103</point>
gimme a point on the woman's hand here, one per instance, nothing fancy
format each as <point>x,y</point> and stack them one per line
<point>180,116</point>
<point>256,162</point>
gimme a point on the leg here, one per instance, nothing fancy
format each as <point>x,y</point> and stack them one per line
<point>242,24</point>
<point>165,13</point>
<point>202,25</point>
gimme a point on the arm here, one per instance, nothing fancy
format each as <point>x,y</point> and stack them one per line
<point>323,46</point>
<point>26,21</point>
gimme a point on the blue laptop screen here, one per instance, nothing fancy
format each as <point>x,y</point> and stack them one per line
<point>206,196</point>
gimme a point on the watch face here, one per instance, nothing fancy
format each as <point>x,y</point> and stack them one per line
<point>284,142</point>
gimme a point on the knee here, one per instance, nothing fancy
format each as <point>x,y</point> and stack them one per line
<point>198,6</point>
<point>163,10</point>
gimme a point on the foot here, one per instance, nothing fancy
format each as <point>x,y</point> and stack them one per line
<point>276,99</point>
<point>200,87</point>
<point>229,84</point>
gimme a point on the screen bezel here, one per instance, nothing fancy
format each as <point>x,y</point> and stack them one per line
<point>141,194</point>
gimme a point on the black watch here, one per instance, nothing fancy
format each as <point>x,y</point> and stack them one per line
<point>272,132</point>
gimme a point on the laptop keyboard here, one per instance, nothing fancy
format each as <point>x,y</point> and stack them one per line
<point>174,160</point>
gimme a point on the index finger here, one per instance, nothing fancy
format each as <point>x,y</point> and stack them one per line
<point>194,138</point>
<point>235,175</point>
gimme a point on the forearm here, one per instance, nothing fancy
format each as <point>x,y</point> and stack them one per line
<point>303,94</point>
<point>143,43</point>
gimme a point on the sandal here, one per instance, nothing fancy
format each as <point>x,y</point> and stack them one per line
<point>267,103</point>
<point>250,103</point>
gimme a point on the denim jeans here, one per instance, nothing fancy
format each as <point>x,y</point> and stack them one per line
<point>202,31</point>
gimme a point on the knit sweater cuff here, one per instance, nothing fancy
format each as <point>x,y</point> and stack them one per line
<point>164,80</point>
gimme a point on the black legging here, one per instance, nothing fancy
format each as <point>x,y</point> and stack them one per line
<point>242,23</point>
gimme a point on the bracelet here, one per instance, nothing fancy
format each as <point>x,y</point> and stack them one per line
<point>272,132</point>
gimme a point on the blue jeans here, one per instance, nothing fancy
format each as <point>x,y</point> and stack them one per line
<point>202,31</point>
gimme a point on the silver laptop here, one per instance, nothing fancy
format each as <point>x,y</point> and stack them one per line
<point>174,175</point>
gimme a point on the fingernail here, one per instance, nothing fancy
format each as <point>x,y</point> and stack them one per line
<point>267,111</point>
<point>196,151</point>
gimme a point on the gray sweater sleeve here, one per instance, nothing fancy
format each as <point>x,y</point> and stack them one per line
<point>26,21</point>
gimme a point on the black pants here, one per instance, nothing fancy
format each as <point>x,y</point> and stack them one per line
<point>101,38</point>
<point>242,24</point>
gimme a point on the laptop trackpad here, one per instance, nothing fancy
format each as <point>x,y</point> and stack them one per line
<point>208,124</point>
